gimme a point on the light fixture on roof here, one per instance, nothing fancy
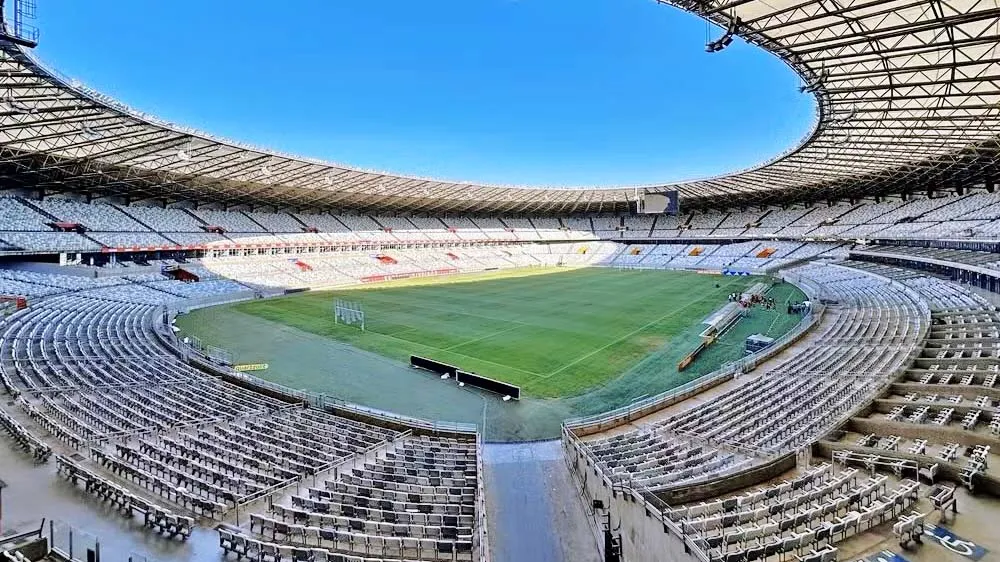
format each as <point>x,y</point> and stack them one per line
<point>841,117</point>
<point>727,38</point>
<point>15,105</point>
<point>88,131</point>
<point>815,83</point>
<point>184,154</point>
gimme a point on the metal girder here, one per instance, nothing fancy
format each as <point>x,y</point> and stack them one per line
<point>907,92</point>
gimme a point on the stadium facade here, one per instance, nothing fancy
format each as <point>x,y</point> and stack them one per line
<point>905,105</point>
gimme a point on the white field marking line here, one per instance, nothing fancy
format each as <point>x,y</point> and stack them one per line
<point>619,340</point>
<point>471,277</point>
<point>487,336</point>
<point>396,333</point>
<point>449,311</point>
<point>532,373</point>
<point>773,321</point>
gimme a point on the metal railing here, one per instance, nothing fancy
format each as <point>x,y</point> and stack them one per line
<point>746,364</point>
<point>320,401</point>
<point>655,507</point>
<point>482,531</point>
<point>324,401</point>
<point>72,543</point>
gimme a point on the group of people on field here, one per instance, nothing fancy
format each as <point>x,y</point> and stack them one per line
<point>750,301</point>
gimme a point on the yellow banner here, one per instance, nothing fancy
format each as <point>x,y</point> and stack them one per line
<point>250,367</point>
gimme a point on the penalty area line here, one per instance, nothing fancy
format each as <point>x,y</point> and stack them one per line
<point>623,338</point>
<point>479,359</point>
<point>487,336</point>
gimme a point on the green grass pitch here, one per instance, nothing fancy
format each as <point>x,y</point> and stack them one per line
<point>553,332</point>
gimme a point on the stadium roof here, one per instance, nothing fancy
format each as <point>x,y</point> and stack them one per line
<point>907,93</point>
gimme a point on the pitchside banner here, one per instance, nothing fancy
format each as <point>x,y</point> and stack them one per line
<point>466,377</point>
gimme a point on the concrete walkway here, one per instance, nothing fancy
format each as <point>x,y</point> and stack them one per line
<point>535,512</point>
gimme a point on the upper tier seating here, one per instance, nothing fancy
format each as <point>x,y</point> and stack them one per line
<point>130,239</point>
<point>48,241</point>
<point>276,222</point>
<point>17,216</point>
<point>978,206</point>
<point>164,220</point>
<point>93,216</point>
<point>322,222</point>
<point>26,226</point>
<point>230,221</point>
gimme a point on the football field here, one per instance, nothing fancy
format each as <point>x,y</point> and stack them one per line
<point>554,332</point>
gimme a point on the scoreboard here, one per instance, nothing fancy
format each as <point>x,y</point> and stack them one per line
<point>659,203</point>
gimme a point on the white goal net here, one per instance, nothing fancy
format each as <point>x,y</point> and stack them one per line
<point>349,313</point>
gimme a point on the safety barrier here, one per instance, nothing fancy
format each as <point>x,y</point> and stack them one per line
<point>586,425</point>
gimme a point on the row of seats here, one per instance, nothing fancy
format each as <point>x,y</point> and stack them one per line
<point>119,226</point>
<point>949,386</point>
<point>92,372</point>
<point>417,499</point>
<point>803,516</point>
<point>876,328</point>
<point>24,439</point>
<point>156,518</point>
<point>744,256</point>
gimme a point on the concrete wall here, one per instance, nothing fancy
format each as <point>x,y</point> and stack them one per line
<point>343,409</point>
<point>644,410</point>
<point>931,432</point>
<point>187,305</point>
<point>646,534</point>
<point>728,483</point>
<point>968,391</point>
<point>947,471</point>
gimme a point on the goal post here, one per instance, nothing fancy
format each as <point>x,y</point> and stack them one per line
<point>349,313</point>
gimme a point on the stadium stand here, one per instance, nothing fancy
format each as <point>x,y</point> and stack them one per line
<point>143,415</point>
<point>941,410</point>
<point>846,366</point>
<point>132,228</point>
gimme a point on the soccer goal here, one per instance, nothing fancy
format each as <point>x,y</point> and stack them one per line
<point>349,313</point>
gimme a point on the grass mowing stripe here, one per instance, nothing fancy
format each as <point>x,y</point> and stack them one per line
<point>626,336</point>
<point>584,327</point>
<point>451,311</point>
<point>469,356</point>
<point>487,336</point>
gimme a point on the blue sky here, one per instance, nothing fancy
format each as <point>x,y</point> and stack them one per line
<point>541,92</point>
